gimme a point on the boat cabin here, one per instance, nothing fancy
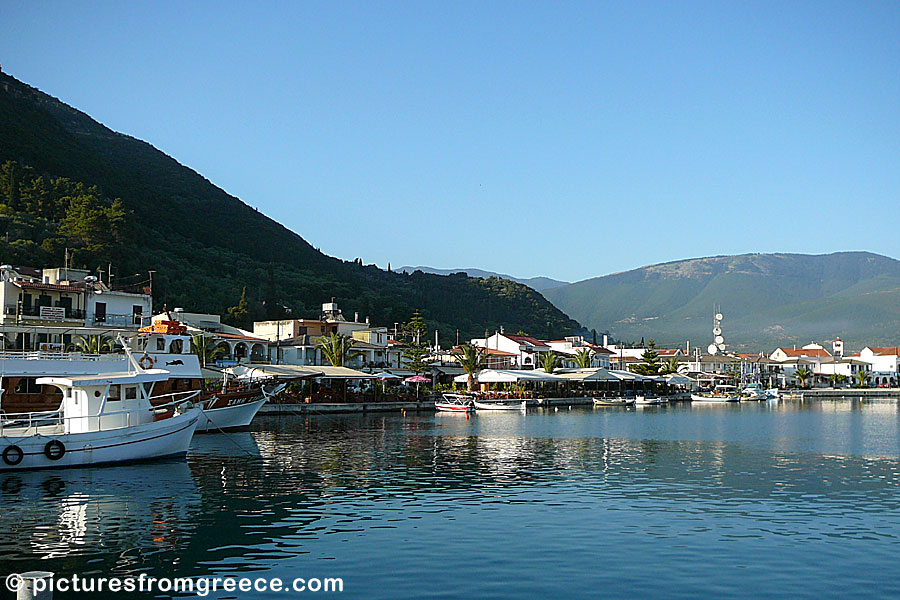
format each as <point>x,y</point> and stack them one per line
<point>106,401</point>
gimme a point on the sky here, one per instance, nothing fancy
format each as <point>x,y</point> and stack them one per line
<point>562,139</point>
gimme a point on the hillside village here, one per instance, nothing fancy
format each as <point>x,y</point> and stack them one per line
<point>44,310</point>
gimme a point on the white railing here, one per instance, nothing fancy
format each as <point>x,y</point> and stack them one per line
<point>47,355</point>
<point>30,420</point>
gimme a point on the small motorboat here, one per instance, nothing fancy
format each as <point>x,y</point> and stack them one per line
<point>456,403</point>
<point>647,399</point>
<point>499,405</point>
<point>613,401</point>
<point>721,393</point>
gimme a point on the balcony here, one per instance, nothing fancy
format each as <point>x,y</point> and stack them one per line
<point>118,321</point>
<point>49,314</point>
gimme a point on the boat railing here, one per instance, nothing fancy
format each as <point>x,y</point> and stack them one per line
<point>33,420</point>
<point>50,355</point>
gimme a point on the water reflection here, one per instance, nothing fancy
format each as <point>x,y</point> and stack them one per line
<point>375,498</point>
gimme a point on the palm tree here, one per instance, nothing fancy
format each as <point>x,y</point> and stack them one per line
<point>202,346</point>
<point>836,379</point>
<point>583,358</point>
<point>863,376</point>
<point>471,359</point>
<point>93,344</point>
<point>336,348</point>
<point>803,374</point>
<point>549,362</point>
<point>670,366</point>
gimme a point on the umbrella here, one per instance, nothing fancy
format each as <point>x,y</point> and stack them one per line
<point>384,375</point>
<point>417,379</point>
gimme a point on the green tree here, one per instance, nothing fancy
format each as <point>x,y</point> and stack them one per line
<point>583,358</point>
<point>336,348</point>
<point>803,374</point>
<point>202,345</point>
<point>650,362</point>
<point>670,366</point>
<point>471,359</point>
<point>836,379</point>
<point>416,350</point>
<point>93,344</point>
<point>238,314</point>
<point>549,362</point>
<point>863,377</point>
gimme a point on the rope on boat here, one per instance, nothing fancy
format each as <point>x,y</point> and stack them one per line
<point>225,433</point>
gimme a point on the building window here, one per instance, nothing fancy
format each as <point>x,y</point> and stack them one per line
<point>137,312</point>
<point>100,312</point>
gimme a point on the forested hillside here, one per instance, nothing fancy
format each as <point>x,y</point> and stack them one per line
<point>69,182</point>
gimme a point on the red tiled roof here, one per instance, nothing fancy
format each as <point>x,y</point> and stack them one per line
<point>235,336</point>
<point>886,351</point>
<point>800,352</point>
<point>667,351</point>
<point>527,339</point>
<point>79,289</point>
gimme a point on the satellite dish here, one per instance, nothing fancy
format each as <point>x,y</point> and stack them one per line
<point>721,346</point>
<point>712,349</point>
<point>719,339</point>
<point>719,317</point>
<point>717,331</point>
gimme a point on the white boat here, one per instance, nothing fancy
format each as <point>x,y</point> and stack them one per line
<point>772,393</point>
<point>613,401</point>
<point>458,403</point>
<point>499,405</point>
<point>721,393</point>
<point>752,392</point>
<point>647,399</point>
<point>234,408</point>
<point>103,419</point>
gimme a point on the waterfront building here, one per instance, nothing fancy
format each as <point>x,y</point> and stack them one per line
<point>526,350</point>
<point>884,363</point>
<point>569,346</point>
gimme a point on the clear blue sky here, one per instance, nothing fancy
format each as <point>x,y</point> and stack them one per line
<point>560,139</point>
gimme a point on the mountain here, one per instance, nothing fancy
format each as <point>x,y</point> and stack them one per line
<point>536,283</point>
<point>68,183</point>
<point>767,299</point>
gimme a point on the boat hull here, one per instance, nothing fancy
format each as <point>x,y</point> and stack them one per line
<point>157,439</point>
<point>613,402</point>
<point>237,415</point>
<point>499,406</point>
<point>455,408</point>
<point>713,399</point>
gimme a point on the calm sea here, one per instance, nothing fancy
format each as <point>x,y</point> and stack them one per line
<point>734,501</point>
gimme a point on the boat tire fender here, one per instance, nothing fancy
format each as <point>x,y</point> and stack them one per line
<point>13,455</point>
<point>54,450</point>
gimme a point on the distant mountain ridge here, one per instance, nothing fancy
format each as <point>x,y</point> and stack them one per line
<point>208,248</point>
<point>767,299</point>
<point>536,283</point>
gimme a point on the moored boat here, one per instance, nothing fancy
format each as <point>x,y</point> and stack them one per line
<point>647,399</point>
<point>721,393</point>
<point>499,405</point>
<point>103,419</point>
<point>613,401</point>
<point>458,403</point>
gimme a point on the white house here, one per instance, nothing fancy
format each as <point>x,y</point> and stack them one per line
<point>525,351</point>
<point>574,344</point>
<point>885,363</point>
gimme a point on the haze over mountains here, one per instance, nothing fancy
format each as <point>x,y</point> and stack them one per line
<point>767,299</point>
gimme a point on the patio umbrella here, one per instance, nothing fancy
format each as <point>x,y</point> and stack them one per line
<point>417,379</point>
<point>384,376</point>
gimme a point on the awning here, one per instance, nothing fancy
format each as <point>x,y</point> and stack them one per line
<point>677,379</point>
<point>586,375</point>
<point>508,376</point>
<point>297,372</point>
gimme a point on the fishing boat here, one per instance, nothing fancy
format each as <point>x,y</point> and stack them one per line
<point>613,401</point>
<point>458,403</point>
<point>499,405</point>
<point>103,419</point>
<point>721,393</point>
<point>647,399</point>
<point>752,392</point>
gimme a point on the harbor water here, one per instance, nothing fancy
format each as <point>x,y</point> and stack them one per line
<point>680,501</point>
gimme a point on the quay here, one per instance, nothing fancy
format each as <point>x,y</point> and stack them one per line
<point>828,393</point>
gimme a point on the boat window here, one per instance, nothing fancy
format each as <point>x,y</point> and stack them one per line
<point>115,393</point>
<point>160,344</point>
<point>142,343</point>
<point>176,347</point>
<point>28,385</point>
<point>131,393</point>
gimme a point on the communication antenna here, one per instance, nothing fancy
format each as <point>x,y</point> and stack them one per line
<point>718,344</point>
